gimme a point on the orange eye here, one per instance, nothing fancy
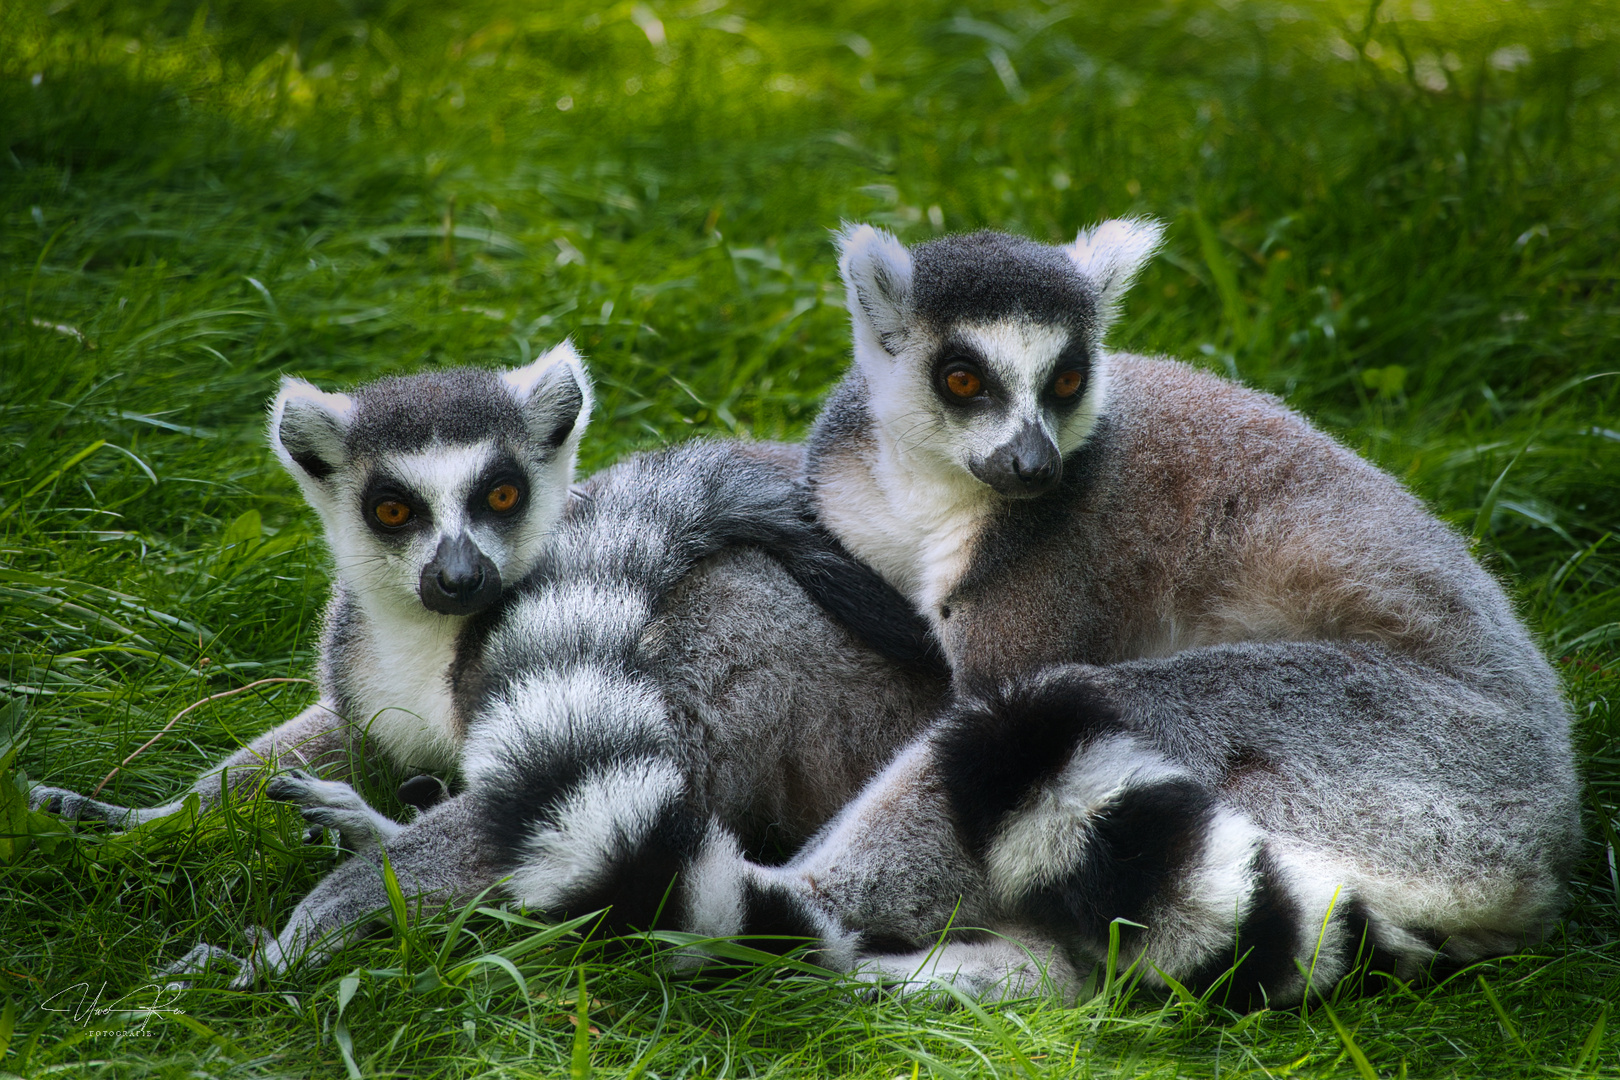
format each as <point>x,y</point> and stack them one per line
<point>1067,384</point>
<point>392,514</point>
<point>963,383</point>
<point>503,497</point>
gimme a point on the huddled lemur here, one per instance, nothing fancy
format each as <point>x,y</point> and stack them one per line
<point>674,643</point>
<point>1220,686</point>
<point>439,495</point>
<point>436,493</point>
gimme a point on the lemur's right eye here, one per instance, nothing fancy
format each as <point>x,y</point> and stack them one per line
<point>962,381</point>
<point>392,513</point>
<point>503,497</point>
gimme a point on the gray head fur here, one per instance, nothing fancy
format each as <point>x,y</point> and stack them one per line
<point>983,352</point>
<point>412,476</point>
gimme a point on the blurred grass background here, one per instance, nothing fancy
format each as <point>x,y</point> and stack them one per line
<point>1404,217</point>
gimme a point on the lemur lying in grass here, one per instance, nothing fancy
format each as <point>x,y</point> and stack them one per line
<point>1220,685</point>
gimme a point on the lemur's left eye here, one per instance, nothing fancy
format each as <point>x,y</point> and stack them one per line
<point>503,497</point>
<point>1067,384</point>
<point>392,513</point>
<point>962,381</point>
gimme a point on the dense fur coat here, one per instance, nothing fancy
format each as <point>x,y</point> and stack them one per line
<point>431,448</point>
<point>1216,676</point>
<point>632,717</point>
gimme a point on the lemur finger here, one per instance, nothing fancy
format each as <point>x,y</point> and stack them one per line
<point>197,962</point>
<point>359,828</point>
<point>295,785</point>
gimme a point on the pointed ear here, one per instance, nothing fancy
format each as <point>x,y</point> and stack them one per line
<point>876,269</point>
<point>555,392</point>
<point>307,426</point>
<point>1111,255</point>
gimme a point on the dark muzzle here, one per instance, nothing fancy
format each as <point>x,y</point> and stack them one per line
<point>1025,466</point>
<point>460,580</point>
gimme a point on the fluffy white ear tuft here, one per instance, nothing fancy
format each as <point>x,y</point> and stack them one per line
<point>1111,255</point>
<point>876,269</point>
<point>555,391</point>
<point>307,426</point>
<point>523,380</point>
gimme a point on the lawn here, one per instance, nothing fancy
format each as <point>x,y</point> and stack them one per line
<point>1403,217</point>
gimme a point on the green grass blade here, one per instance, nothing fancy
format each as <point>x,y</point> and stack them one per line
<point>579,1067</point>
<point>1359,1059</point>
<point>1508,1027</point>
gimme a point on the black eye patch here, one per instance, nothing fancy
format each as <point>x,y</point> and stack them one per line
<point>1075,358</point>
<point>956,359</point>
<point>381,501</point>
<point>490,501</point>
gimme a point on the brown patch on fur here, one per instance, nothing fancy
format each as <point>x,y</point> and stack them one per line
<point>1245,765</point>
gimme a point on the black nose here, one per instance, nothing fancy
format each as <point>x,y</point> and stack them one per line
<point>1038,471</point>
<point>460,580</point>
<point>1024,466</point>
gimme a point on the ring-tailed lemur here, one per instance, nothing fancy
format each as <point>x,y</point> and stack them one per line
<point>436,492</point>
<point>1215,675</point>
<point>630,722</point>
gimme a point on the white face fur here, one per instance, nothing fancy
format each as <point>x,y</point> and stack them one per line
<point>983,354</point>
<point>431,514</point>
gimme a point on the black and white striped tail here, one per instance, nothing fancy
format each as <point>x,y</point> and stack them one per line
<point>1080,824</point>
<point>586,779</point>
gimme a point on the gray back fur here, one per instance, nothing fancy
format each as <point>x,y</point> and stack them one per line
<point>1220,623</point>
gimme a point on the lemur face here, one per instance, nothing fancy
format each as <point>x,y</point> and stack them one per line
<point>437,490</point>
<point>983,353</point>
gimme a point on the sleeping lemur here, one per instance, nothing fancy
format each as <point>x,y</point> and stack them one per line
<point>1220,685</point>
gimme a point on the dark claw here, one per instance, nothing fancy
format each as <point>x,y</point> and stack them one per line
<point>288,787</point>
<point>423,792</point>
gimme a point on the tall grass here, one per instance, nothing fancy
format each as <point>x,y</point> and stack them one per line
<point>1402,217</point>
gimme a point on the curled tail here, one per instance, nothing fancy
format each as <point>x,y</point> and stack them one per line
<point>654,517</point>
<point>591,789</point>
<point>1082,825</point>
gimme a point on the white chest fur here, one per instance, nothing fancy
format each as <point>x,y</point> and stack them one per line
<point>399,683</point>
<point>916,528</point>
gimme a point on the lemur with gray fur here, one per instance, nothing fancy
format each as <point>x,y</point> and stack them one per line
<point>436,493</point>
<point>646,682</point>
<point>440,494</point>
<point>1215,675</point>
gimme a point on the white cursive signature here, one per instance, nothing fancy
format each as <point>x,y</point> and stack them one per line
<point>85,1006</point>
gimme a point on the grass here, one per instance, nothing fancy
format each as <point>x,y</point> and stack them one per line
<point>1403,217</point>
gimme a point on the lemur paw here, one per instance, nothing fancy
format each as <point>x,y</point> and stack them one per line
<point>995,970</point>
<point>72,806</point>
<point>199,960</point>
<point>331,804</point>
<point>298,786</point>
<point>264,958</point>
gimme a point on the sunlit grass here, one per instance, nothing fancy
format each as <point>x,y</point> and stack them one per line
<point>1403,218</point>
